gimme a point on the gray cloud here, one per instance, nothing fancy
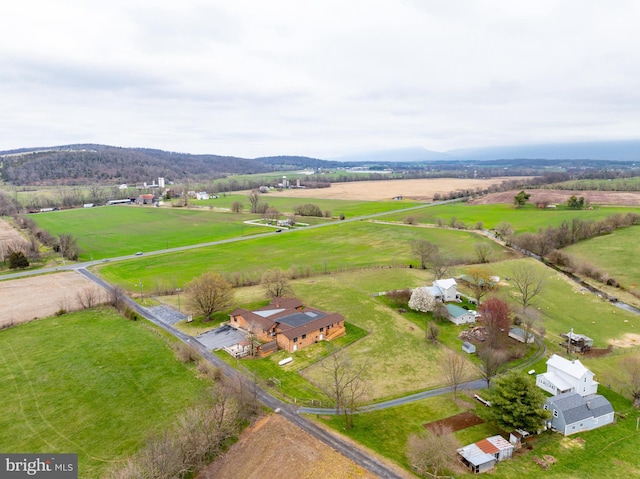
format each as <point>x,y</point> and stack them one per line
<point>322,79</point>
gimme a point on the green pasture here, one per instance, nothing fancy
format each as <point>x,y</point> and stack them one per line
<point>110,231</point>
<point>91,383</point>
<point>562,306</point>
<point>527,219</point>
<point>337,247</point>
<point>610,451</point>
<point>615,253</point>
<point>285,204</point>
<point>395,350</point>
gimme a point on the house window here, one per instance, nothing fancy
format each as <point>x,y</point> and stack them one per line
<point>321,329</point>
<point>295,340</point>
<point>304,336</point>
<point>555,413</point>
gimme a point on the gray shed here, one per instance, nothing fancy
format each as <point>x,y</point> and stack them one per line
<point>468,348</point>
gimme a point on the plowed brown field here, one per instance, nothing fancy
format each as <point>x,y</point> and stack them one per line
<point>274,448</point>
<point>41,296</point>
<point>614,198</point>
<point>419,189</point>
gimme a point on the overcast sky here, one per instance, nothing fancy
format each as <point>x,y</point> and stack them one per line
<point>317,78</point>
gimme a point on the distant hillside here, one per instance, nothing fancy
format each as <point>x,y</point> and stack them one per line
<point>80,164</point>
<point>628,150</point>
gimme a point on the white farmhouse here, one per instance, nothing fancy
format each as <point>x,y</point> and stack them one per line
<point>567,376</point>
<point>445,290</point>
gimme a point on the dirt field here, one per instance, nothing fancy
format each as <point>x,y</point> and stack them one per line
<point>619,198</point>
<point>41,296</point>
<point>419,190</point>
<point>457,422</point>
<point>628,340</point>
<point>274,448</point>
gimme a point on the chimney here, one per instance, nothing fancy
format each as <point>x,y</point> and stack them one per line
<point>589,405</point>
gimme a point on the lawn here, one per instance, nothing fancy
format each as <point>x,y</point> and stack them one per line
<point>91,383</point>
<point>527,219</point>
<point>110,231</point>
<point>338,247</point>
<point>610,451</point>
<point>395,350</point>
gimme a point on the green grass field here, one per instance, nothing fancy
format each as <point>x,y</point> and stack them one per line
<point>614,253</point>
<point>348,208</point>
<point>331,248</point>
<point>111,231</point>
<point>91,383</point>
<point>527,219</point>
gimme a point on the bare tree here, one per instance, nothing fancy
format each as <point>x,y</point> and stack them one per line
<point>631,366</point>
<point>254,200</point>
<point>237,207</point>
<point>440,311</point>
<point>432,450</point>
<point>504,230</point>
<point>209,293</point>
<point>529,321</point>
<point>483,252</point>
<point>116,297</point>
<point>439,265</point>
<point>424,250</point>
<point>454,368</point>
<point>491,362</point>
<point>276,283</point>
<point>88,297</point>
<point>344,384</point>
<point>528,282</point>
<point>433,331</point>
<point>271,215</point>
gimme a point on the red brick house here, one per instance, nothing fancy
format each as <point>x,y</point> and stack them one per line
<point>287,321</point>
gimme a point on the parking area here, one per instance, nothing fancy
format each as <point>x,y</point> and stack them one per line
<point>221,337</point>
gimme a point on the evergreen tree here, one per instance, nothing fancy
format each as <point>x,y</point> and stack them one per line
<point>517,403</point>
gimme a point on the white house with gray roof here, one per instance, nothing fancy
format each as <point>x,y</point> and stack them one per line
<point>564,376</point>
<point>445,290</point>
<point>572,413</point>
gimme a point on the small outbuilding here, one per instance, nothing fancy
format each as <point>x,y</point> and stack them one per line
<point>458,315</point>
<point>521,335</point>
<point>483,455</point>
<point>468,347</point>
